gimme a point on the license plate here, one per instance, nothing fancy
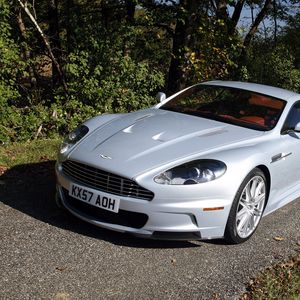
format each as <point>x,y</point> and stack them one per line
<point>94,197</point>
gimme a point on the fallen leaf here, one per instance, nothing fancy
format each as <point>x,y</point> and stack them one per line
<point>44,158</point>
<point>3,169</point>
<point>216,295</point>
<point>61,269</point>
<point>290,264</point>
<point>62,296</point>
<point>279,238</point>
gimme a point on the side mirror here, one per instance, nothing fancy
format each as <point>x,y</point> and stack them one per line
<point>297,127</point>
<point>162,97</point>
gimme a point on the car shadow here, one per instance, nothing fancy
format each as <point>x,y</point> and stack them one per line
<point>30,189</point>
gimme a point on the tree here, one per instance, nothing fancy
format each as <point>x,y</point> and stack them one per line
<point>214,16</point>
<point>63,61</point>
<point>186,23</point>
<point>45,39</point>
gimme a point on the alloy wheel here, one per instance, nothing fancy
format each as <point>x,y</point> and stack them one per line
<point>251,206</point>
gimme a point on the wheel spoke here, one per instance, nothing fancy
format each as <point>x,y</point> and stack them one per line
<point>259,189</point>
<point>244,202</point>
<point>241,213</point>
<point>242,223</point>
<point>248,194</point>
<point>251,225</point>
<point>259,199</point>
<point>253,187</point>
<point>245,228</point>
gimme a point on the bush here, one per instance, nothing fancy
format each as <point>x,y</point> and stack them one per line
<point>130,86</point>
<point>275,68</point>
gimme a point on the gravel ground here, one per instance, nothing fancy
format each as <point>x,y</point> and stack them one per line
<point>47,254</point>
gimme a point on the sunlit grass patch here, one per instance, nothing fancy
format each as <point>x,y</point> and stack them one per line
<point>280,282</point>
<point>28,152</point>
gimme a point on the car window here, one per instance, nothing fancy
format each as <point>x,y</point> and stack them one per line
<point>230,105</point>
<point>293,118</point>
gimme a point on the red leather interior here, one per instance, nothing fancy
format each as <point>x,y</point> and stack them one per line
<point>254,119</point>
<point>265,101</point>
<point>227,117</point>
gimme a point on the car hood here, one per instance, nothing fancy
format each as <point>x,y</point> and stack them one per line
<point>137,142</point>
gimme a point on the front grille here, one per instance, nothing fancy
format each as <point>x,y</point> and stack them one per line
<point>123,217</point>
<point>105,181</point>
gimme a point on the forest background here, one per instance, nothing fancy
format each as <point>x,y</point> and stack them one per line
<point>63,61</point>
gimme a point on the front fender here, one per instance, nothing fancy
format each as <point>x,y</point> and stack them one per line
<point>241,161</point>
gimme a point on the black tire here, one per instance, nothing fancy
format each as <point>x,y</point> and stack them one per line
<point>58,201</point>
<point>232,232</point>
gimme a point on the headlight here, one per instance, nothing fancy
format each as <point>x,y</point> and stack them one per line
<point>73,137</point>
<point>197,171</point>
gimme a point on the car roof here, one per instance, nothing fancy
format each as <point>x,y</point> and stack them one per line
<point>258,88</point>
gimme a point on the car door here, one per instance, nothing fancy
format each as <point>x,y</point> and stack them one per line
<point>285,160</point>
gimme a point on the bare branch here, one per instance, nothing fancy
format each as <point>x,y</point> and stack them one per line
<point>260,16</point>
<point>213,4</point>
<point>33,8</point>
<point>46,42</point>
<point>38,131</point>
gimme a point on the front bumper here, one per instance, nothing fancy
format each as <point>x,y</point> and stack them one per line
<point>168,219</point>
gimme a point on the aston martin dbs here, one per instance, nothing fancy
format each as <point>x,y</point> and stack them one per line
<point>208,162</point>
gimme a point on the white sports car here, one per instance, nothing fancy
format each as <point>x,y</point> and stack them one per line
<point>205,163</point>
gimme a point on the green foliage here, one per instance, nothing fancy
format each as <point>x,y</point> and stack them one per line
<point>280,69</point>
<point>274,67</point>
<point>114,61</point>
<point>290,36</point>
<point>11,69</point>
<point>103,75</point>
<point>212,57</point>
<point>9,55</point>
<point>125,87</point>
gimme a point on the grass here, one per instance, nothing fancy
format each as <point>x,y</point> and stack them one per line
<point>26,153</point>
<point>280,282</point>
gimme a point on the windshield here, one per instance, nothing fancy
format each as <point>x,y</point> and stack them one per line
<point>230,105</point>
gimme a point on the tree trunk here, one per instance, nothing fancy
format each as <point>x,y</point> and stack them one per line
<point>275,22</point>
<point>47,44</point>
<point>53,34</point>
<point>236,16</point>
<point>130,11</point>
<point>68,24</point>
<point>182,39</point>
<point>253,29</point>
